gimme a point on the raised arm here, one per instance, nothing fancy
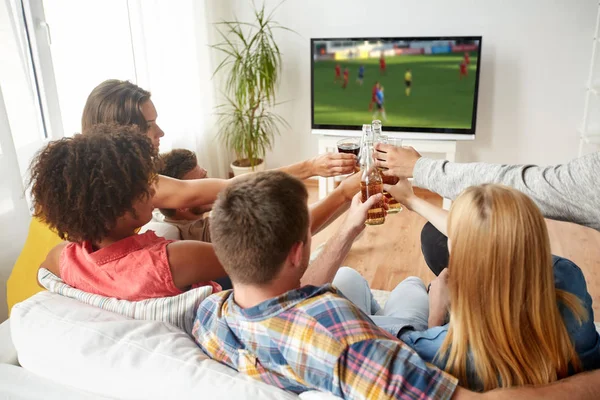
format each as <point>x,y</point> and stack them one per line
<point>175,193</point>
<point>326,165</point>
<point>324,268</point>
<point>404,194</point>
<point>566,192</point>
<point>325,211</point>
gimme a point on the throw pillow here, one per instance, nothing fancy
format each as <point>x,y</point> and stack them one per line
<point>177,310</point>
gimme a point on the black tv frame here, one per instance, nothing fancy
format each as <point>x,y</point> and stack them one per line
<point>389,128</point>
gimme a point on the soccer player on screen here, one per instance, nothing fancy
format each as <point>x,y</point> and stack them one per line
<point>373,95</point>
<point>361,75</point>
<point>467,59</point>
<point>382,65</point>
<point>408,81</point>
<point>338,73</point>
<point>463,70</point>
<point>380,107</point>
<point>346,76</point>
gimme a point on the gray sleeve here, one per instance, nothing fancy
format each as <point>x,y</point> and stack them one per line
<point>566,192</point>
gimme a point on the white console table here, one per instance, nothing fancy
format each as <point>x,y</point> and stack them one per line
<point>445,147</point>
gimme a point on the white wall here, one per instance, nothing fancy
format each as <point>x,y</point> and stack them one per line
<point>535,60</point>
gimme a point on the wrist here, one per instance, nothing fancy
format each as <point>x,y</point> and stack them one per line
<point>348,232</point>
<point>343,192</point>
<point>434,321</point>
<point>413,165</point>
<point>436,318</point>
<point>411,202</point>
<point>309,168</point>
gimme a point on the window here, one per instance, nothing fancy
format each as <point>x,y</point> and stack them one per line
<point>77,52</point>
<point>18,81</point>
<point>66,48</point>
<point>54,52</point>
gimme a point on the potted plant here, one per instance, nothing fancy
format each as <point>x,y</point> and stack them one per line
<point>251,69</point>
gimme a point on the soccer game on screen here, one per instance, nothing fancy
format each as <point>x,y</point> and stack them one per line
<point>405,83</point>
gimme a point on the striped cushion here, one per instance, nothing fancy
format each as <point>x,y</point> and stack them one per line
<point>177,310</point>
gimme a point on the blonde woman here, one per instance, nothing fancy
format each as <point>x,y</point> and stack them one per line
<point>518,315</point>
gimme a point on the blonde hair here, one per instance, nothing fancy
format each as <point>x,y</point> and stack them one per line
<point>504,318</point>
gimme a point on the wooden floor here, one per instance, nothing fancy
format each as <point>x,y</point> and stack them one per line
<point>388,253</point>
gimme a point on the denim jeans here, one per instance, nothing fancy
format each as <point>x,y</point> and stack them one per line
<point>407,306</point>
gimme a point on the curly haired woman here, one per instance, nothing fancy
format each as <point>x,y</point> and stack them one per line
<point>96,190</point>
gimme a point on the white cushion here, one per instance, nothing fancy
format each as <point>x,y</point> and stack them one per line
<point>108,354</point>
<point>177,310</point>
<point>8,354</point>
<point>162,229</point>
<point>19,384</point>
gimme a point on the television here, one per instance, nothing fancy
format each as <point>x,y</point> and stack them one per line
<point>419,87</point>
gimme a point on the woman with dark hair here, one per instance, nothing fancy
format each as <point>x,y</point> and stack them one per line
<point>124,103</point>
<point>97,201</point>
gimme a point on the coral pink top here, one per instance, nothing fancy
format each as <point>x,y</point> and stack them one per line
<point>135,268</point>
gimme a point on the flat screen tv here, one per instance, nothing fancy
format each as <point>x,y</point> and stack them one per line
<point>420,87</point>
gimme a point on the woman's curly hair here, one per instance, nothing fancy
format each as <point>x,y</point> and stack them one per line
<point>81,185</point>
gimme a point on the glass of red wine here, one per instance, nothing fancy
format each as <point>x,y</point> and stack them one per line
<point>350,146</point>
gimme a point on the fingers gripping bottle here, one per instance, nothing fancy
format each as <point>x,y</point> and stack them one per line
<point>378,137</point>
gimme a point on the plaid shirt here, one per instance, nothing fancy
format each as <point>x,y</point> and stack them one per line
<point>313,338</point>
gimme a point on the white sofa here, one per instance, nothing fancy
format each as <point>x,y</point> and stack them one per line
<point>56,347</point>
<point>62,348</point>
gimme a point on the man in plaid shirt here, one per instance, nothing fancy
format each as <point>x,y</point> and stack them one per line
<point>295,331</point>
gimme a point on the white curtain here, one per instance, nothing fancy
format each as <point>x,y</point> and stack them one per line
<point>173,60</point>
<point>18,87</point>
<point>14,212</point>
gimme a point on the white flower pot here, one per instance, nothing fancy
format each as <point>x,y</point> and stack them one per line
<point>246,170</point>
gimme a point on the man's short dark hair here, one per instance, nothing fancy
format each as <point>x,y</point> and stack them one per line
<point>175,164</point>
<point>81,185</point>
<point>256,222</point>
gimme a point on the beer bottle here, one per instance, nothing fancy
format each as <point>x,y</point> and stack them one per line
<point>376,127</point>
<point>371,183</point>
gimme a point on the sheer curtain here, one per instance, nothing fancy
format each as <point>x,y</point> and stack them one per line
<point>161,46</point>
<point>18,88</point>
<point>170,42</point>
<point>15,136</point>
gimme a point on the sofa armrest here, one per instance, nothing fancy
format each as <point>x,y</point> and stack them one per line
<point>8,353</point>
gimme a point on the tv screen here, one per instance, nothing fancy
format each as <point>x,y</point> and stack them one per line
<point>412,84</point>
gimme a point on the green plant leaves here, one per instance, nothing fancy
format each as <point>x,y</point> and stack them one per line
<point>252,68</point>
